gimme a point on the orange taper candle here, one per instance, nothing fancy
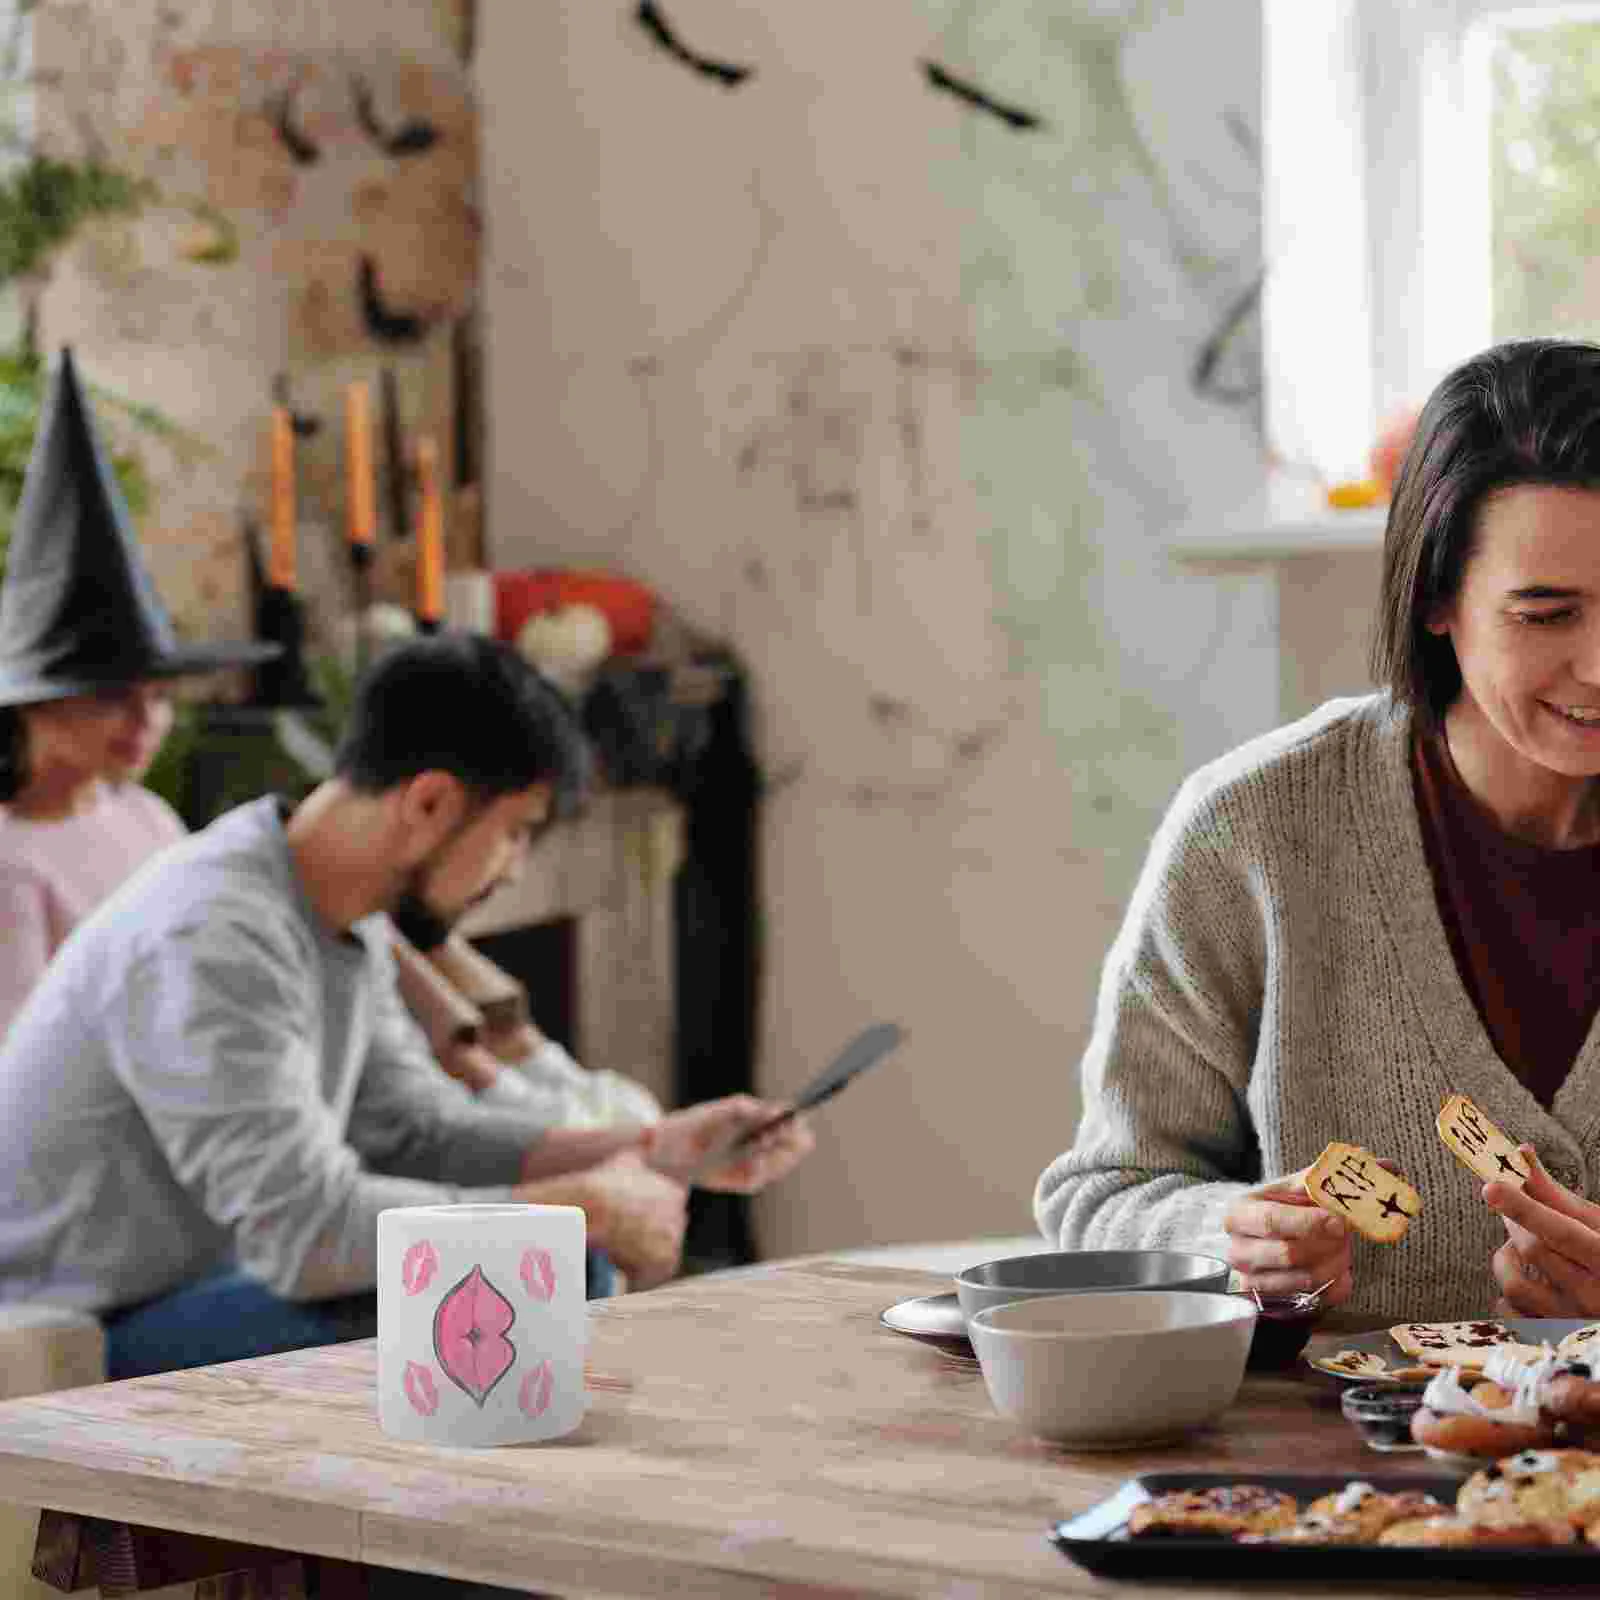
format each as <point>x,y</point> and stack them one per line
<point>361,493</point>
<point>430,536</point>
<point>281,561</point>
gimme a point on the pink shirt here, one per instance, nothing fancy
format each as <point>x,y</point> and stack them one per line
<point>53,874</point>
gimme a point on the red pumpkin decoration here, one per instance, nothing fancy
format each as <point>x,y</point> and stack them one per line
<point>1389,452</point>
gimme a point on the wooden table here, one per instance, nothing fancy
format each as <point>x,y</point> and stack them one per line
<point>757,1434</point>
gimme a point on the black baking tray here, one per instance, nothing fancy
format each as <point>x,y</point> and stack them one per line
<point>1098,1540</point>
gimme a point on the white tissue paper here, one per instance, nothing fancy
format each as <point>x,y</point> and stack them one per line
<point>482,1323</point>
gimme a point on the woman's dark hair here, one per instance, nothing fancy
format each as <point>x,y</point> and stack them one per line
<point>1522,412</point>
<point>468,706</point>
<point>13,753</point>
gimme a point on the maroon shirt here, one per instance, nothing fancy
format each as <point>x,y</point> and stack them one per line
<point>1523,923</point>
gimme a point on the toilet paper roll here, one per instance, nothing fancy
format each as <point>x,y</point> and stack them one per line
<point>482,1323</point>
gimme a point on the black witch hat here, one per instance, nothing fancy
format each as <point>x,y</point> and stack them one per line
<point>78,611</point>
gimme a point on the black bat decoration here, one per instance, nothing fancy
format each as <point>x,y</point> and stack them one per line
<point>410,139</point>
<point>1013,116</point>
<point>650,17</point>
<point>304,151</point>
<point>1205,377</point>
<point>392,327</point>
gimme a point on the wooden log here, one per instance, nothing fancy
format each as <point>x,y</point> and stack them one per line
<point>500,997</point>
<point>444,1013</point>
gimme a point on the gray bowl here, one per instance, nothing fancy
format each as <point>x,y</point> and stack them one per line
<point>998,1283</point>
<point>1108,1371</point>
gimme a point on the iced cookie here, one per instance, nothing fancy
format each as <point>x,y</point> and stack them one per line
<point>1225,1509</point>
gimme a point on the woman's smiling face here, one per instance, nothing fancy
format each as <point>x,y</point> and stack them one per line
<point>1526,631</point>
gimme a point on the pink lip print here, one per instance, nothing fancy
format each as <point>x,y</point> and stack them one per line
<point>539,1274</point>
<point>418,1265</point>
<point>469,1339</point>
<point>418,1384</point>
<point>534,1395</point>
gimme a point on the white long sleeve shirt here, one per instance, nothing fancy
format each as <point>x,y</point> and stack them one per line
<point>205,1075</point>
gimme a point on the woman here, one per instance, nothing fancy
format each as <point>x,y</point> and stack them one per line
<point>1395,898</point>
<point>85,649</point>
<point>74,822</point>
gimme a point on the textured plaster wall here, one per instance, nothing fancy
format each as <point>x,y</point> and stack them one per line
<point>901,398</point>
<point>263,134</point>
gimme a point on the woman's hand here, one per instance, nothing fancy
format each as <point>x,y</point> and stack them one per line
<point>1549,1265</point>
<point>1281,1241</point>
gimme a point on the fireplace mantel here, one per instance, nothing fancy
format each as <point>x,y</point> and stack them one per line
<point>611,871</point>
<point>1315,591</point>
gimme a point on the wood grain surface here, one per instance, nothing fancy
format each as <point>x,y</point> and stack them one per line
<point>748,1433</point>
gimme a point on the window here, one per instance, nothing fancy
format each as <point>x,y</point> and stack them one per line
<point>1544,171</point>
<point>1432,171</point>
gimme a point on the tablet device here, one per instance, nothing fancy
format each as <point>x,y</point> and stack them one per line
<point>866,1050</point>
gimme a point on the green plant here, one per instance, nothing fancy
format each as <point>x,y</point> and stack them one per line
<point>43,201</point>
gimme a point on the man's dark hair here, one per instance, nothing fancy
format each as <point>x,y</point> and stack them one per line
<point>461,704</point>
<point>1522,412</point>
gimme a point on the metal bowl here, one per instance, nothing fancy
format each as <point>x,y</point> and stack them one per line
<point>998,1283</point>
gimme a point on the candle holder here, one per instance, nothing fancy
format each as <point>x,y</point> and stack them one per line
<point>361,564</point>
<point>282,684</point>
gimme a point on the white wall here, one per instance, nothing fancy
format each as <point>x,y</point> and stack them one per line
<point>897,402</point>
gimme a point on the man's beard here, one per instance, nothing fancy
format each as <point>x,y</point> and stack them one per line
<point>422,926</point>
<point>418,922</point>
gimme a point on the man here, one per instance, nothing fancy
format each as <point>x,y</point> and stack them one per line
<point>215,1089</point>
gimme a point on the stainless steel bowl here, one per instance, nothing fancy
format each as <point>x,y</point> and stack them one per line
<point>998,1283</point>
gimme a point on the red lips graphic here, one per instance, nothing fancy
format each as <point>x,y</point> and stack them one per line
<point>539,1274</point>
<point>418,1384</point>
<point>469,1331</point>
<point>534,1395</point>
<point>418,1265</point>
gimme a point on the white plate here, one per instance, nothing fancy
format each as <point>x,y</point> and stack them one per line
<point>1527,1330</point>
<point>936,1318</point>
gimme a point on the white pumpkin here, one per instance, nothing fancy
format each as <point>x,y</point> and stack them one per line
<point>567,645</point>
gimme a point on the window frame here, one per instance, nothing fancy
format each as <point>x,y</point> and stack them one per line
<point>1400,131</point>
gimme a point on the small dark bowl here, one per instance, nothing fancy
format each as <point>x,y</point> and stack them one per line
<point>1381,1413</point>
<point>1284,1325</point>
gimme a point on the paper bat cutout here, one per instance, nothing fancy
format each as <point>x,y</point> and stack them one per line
<point>1207,375</point>
<point>1013,116</point>
<point>281,110</point>
<point>649,16</point>
<point>411,138</point>
<point>392,327</point>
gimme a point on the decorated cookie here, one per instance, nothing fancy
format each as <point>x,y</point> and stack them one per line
<point>1371,1510</point>
<point>1351,1364</point>
<point>1536,1486</point>
<point>1475,1141</point>
<point>1458,1532</point>
<point>1450,1343</point>
<point>1230,1508</point>
<point>1579,1345</point>
<point>1348,1182</point>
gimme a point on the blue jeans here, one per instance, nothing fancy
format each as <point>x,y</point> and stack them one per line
<point>231,1316</point>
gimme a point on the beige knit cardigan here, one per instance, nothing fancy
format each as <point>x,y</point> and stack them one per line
<point>1283,978</point>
